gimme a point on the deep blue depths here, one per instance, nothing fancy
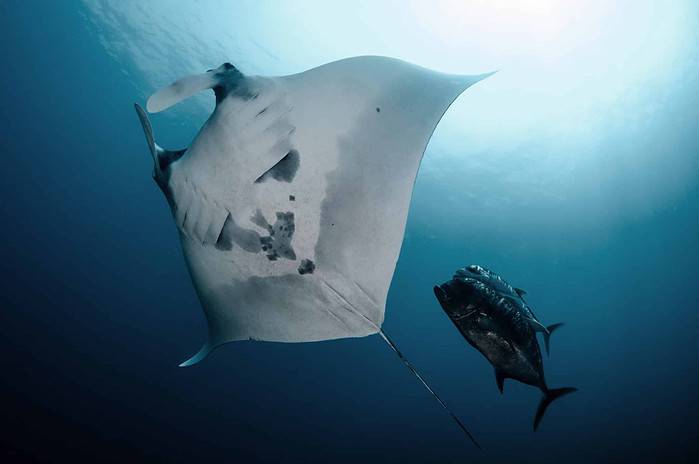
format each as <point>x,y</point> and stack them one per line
<point>97,311</point>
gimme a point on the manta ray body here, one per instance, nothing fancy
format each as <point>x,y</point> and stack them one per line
<point>292,200</point>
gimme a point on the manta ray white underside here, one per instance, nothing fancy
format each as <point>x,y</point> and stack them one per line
<point>292,200</point>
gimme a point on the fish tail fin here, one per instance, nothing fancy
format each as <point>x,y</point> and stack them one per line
<point>549,397</point>
<point>414,371</point>
<point>547,335</point>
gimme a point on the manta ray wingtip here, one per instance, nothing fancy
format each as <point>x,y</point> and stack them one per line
<point>201,354</point>
<point>139,110</point>
<point>147,129</point>
<point>480,77</point>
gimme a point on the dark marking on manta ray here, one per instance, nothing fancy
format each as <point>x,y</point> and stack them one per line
<point>224,242</point>
<point>306,267</point>
<point>378,110</point>
<point>232,82</point>
<point>278,243</point>
<point>259,220</point>
<point>284,170</point>
<point>292,198</point>
<point>231,233</point>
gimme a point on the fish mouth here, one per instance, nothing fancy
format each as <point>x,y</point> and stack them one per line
<point>455,294</point>
<point>444,295</point>
<point>452,301</point>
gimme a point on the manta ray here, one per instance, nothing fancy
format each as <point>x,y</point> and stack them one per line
<point>292,200</point>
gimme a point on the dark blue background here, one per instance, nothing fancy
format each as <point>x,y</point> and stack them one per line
<point>98,310</point>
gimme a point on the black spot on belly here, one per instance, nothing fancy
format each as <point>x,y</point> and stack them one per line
<point>278,243</point>
<point>378,110</point>
<point>284,170</point>
<point>292,198</point>
<point>306,267</point>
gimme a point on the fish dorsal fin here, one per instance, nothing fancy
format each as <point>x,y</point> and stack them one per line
<point>500,379</point>
<point>520,292</point>
<point>538,326</point>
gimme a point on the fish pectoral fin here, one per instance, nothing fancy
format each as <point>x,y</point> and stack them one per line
<point>468,314</point>
<point>500,377</point>
<point>520,292</point>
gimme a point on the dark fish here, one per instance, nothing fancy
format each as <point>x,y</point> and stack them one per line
<point>514,294</point>
<point>494,319</point>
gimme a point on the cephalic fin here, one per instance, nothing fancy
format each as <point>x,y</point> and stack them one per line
<point>181,90</point>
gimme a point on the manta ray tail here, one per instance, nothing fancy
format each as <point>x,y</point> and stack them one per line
<point>549,396</point>
<point>547,335</point>
<point>409,365</point>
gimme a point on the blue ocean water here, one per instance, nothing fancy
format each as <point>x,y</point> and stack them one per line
<point>573,172</point>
